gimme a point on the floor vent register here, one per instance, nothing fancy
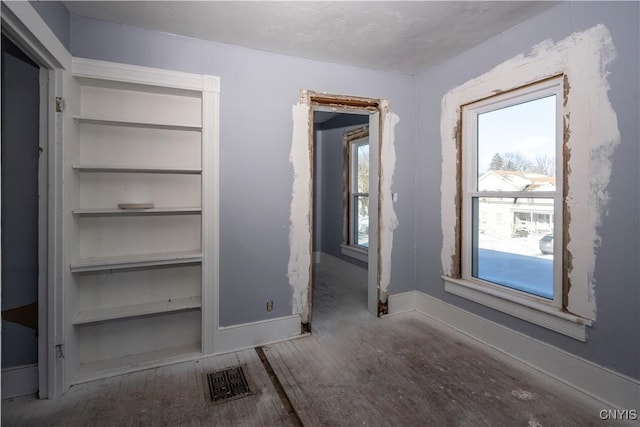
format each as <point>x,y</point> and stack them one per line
<point>226,384</point>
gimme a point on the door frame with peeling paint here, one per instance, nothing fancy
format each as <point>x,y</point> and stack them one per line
<point>377,109</point>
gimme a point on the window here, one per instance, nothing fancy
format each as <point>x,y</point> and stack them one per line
<point>356,199</point>
<point>564,212</point>
<point>512,193</point>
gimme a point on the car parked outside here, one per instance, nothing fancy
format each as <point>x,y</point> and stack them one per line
<point>546,244</point>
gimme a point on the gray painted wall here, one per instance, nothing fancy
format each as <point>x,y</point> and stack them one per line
<point>614,341</point>
<point>20,140</point>
<point>57,17</point>
<point>330,138</point>
<point>256,175</point>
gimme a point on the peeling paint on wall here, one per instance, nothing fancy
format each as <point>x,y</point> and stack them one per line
<point>388,219</point>
<point>300,229</point>
<point>592,136</point>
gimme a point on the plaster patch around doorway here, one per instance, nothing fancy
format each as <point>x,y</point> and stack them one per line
<point>582,58</point>
<point>388,219</point>
<point>299,267</point>
<point>299,272</point>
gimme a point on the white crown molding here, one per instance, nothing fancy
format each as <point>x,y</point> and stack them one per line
<point>91,68</point>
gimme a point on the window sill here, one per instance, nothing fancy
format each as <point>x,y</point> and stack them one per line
<point>522,308</point>
<point>355,252</point>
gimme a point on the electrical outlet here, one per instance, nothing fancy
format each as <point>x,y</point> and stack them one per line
<point>270,305</point>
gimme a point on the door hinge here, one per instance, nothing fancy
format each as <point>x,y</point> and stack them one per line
<point>59,104</point>
<point>60,351</point>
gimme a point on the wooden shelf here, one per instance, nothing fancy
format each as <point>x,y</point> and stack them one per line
<point>138,124</point>
<point>136,310</point>
<point>134,261</point>
<point>137,212</point>
<point>135,169</point>
<point>135,362</point>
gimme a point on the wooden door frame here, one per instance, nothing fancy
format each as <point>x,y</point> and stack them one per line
<point>330,102</point>
<point>24,26</point>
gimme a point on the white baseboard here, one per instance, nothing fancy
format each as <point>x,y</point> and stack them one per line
<point>251,335</point>
<point>611,388</point>
<point>19,381</point>
<point>355,253</point>
<point>402,303</point>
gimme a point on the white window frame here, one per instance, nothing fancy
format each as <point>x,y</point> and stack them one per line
<point>550,314</point>
<point>353,190</point>
<point>470,190</point>
<point>352,140</point>
<point>582,59</point>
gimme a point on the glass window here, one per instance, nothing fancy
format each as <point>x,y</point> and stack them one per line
<point>512,195</point>
<point>359,189</point>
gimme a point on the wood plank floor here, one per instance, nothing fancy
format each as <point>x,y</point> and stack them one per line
<point>355,369</point>
<point>167,396</point>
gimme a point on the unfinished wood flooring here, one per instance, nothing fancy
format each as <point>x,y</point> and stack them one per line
<point>168,396</point>
<point>355,369</point>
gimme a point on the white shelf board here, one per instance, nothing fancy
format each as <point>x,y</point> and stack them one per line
<point>136,362</point>
<point>134,169</point>
<point>134,261</point>
<point>131,123</point>
<point>135,310</point>
<point>137,212</point>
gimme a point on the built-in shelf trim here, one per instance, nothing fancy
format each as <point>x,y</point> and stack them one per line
<point>135,169</point>
<point>137,212</point>
<point>131,363</point>
<point>136,310</point>
<point>133,123</point>
<point>134,261</point>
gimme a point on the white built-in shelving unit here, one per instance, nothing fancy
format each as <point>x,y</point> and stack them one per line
<point>141,278</point>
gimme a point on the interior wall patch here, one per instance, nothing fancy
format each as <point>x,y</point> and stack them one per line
<point>300,229</point>
<point>388,218</point>
<point>583,57</point>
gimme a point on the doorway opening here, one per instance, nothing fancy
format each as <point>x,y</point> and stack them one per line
<point>341,214</point>
<point>381,215</point>
<point>23,219</point>
<point>24,28</point>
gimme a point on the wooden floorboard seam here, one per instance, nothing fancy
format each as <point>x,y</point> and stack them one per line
<point>286,402</point>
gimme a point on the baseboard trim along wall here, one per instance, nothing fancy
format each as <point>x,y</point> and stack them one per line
<point>227,340</point>
<point>19,381</point>
<point>611,388</point>
<point>251,335</point>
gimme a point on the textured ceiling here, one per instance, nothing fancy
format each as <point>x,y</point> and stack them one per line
<point>391,36</point>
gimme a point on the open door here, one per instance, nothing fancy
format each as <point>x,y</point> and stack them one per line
<point>22,25</point>
<point>21,210</point>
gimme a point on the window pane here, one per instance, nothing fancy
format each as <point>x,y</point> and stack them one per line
<point>517,146</point>
<point>513,243</point>
<point>363,168</point>
<point>361,221</point>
